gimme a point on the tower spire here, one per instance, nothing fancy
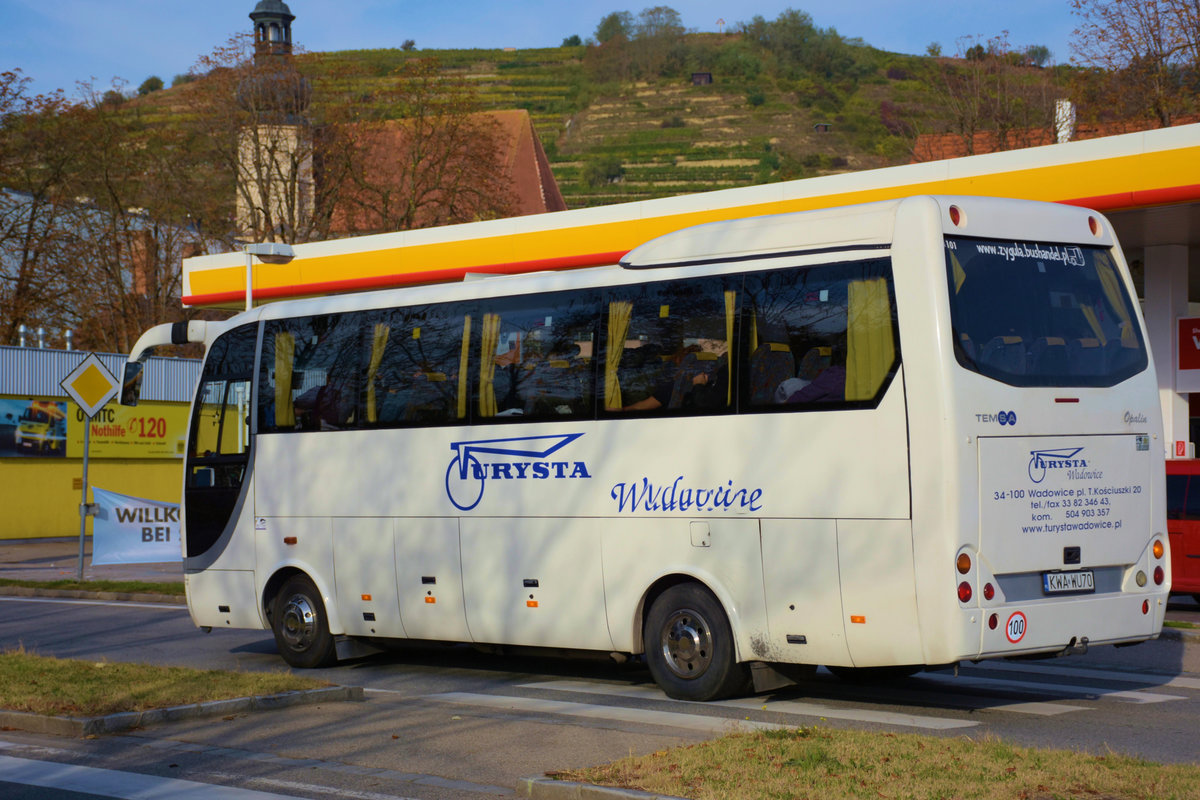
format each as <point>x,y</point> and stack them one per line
<point>272,29</point>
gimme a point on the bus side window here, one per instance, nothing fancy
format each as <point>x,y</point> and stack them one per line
<point>668,346</point>
<point>418,366</point>
<point>310,371</point>
<point>818,336</point>
<point>536,357</point>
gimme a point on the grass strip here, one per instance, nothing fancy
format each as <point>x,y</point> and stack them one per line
<point>63,687</point>
<point>172,588</point>
<point>821,763</point>
<point>1172,623</point>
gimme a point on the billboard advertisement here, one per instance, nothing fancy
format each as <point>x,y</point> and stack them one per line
<point>52,428</point>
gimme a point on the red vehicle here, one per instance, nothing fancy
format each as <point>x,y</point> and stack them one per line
<point>1183,525</point>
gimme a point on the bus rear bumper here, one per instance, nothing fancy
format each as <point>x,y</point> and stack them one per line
<point>1061,626</point>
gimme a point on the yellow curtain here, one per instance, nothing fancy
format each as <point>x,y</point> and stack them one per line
<point>490,336</point>
<point>285,352</point>
<point>378,342</point>
<point>1107,273</point>
<point>619,312</point>
<point>870,350</point>
<point>960,274</point>
<point>730,307</point>
<point>462,368</point>
<point>1093,322</point>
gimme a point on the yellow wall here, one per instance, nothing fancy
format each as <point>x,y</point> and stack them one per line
<point>39,497</point>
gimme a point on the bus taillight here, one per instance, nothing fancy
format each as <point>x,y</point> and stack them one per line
<point>1159,575</point>
<point>963,563</point>
<point>1158,548</point>
<point>964,592</point>
<point>989,591</point>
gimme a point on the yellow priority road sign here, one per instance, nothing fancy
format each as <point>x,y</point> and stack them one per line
<point>91,385</point>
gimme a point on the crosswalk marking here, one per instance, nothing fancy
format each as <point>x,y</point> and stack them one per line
<point>116,784</point>
<point>1046,688</point>
<point>793,707</point>
<point>979,702</point>
<point>1146,679</point>
<point>613,713</point>
<point>979,693</point>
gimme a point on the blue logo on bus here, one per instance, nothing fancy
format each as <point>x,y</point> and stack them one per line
<point>1042,460</point>
<point>511,459</point>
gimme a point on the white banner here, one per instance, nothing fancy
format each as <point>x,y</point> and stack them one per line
<point>130,530</point>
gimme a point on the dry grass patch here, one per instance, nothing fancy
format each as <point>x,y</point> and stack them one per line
<point>821,763</point>
<point>172,588</point>
<point>62,687</point>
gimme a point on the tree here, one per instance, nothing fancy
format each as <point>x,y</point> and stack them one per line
<point>40,144</point>
<point>993,100</point>
<point>426,157</point>
<point>572,41</point>
<point>77,248</point>
<point>1038,55</point>
<point>602,170</point>
<point>125,242</point>
<point>658,40</point>
<point>618,24</point>
<point>1150,45</point>
<point>658,22</point>
<point>800,47</point>
<point>151,84</point>
<point>274,157</point>
<point>409,45</point>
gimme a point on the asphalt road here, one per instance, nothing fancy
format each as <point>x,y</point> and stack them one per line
<point>451,722</point>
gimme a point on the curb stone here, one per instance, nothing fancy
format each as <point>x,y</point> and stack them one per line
<point>551,789</point>
<point>79,727</point>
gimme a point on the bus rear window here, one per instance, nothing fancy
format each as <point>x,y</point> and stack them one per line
<point>1037,314</point>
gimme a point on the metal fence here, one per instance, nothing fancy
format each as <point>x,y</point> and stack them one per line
<point>33,371</point>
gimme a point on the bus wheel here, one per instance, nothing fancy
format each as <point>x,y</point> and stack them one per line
<point>300,627</point>
<point>689,646</point>
<point>874,674</point>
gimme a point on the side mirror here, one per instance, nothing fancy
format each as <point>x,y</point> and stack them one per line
<point>131,385</point>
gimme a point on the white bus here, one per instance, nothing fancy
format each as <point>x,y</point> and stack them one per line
<point>875,438</point>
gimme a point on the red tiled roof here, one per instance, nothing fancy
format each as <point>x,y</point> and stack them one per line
<point>520,152</point>
<point>939,146</point>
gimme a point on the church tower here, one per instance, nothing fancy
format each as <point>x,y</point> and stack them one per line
<point>272,29</point>
<point>275,193</point>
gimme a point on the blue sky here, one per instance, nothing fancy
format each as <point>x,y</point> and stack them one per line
<point>60,42</point>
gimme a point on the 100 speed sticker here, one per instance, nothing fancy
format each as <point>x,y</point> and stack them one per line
<point>1014,629</point>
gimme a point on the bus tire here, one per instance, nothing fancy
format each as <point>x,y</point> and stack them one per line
<point>689,646</point>
<point>300,626</point>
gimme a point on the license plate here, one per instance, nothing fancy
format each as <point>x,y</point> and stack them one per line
<point>1065,582</point>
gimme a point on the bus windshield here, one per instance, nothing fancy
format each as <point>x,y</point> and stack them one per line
<point>1037,314</point>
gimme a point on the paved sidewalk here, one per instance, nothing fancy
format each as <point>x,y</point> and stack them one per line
<point>58,559</point>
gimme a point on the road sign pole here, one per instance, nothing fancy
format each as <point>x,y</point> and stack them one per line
<point>83,500</point>
<point>90,385</point>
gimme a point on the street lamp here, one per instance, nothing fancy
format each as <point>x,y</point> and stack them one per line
<point>272,252</point>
